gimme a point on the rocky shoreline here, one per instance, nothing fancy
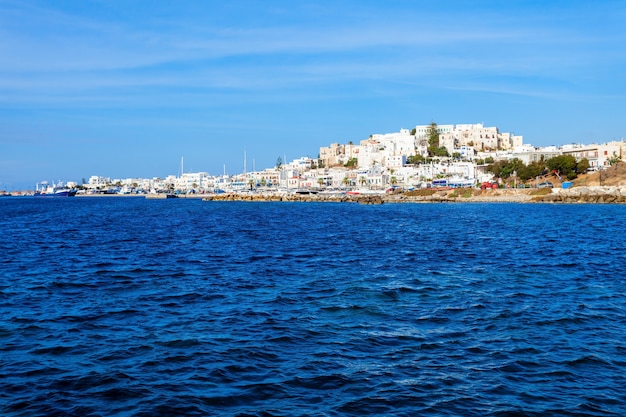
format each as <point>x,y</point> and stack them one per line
<point>577,195</point>
<point>592,194</point>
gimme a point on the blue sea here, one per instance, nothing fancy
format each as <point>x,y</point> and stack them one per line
<point>133,307</point>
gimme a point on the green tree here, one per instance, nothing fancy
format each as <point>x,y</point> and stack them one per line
<point>440,151</point>
<point>582,166</point>
<point>415,159</point>
<point>352,162</point>
<point>496,168</point>
<point>513,167</point>
<point>614,160</point>
<point>534,169</point>
<point>432,134</point>
<point>279,163</point>
<point>505,169</point>
<point>563,165</point>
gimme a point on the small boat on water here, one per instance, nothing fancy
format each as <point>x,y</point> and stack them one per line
<point>55,190</point>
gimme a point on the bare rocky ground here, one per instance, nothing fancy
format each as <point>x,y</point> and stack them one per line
<point>612,176</point>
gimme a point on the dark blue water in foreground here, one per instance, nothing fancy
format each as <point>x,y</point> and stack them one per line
<point>133,307</point>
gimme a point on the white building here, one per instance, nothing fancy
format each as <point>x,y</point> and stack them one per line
<point>337,154</point>
<point>192,181</point>
<point>598,155</point>
<point>475,135</point>
<point>96,181</point>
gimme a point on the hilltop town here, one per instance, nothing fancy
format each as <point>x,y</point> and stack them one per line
<point>462,155</point>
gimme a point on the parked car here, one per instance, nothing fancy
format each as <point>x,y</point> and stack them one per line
<point>546,184</point>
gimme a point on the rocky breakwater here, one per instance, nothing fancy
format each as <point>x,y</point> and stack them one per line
<point>466,195</point>
<point>587,194</point>
<point>299,198</point>
<point>591,194</point>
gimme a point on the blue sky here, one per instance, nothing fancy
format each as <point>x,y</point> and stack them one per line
<point>126,88</point>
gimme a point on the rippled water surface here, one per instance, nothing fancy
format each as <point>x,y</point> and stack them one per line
<point>134,307</point>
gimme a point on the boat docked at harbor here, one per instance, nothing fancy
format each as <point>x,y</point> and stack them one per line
<point>44,189</point>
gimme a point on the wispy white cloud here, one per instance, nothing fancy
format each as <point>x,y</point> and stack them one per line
<point>50,55</point>
<point>64,42</point>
